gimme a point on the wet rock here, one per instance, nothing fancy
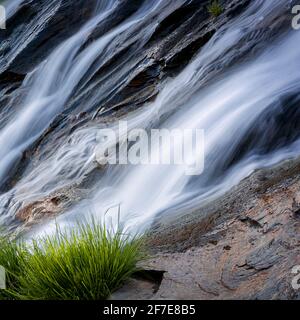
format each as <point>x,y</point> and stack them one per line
<point>38,210</point>
<point>39,26</point>
<point>36,28</point>
<point>49,207</point>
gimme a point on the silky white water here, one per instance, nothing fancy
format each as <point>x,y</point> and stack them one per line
<point>226,109</point>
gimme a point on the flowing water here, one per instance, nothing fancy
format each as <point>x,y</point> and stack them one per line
<point>248,113</point>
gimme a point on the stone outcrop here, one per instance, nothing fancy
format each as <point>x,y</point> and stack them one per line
<point>242,246</point>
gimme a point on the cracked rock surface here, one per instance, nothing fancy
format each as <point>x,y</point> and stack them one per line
<point>242,246</point>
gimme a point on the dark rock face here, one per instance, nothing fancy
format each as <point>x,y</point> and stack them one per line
<point>38,27</point>
<point>282,121</point>
<point>244,248</point>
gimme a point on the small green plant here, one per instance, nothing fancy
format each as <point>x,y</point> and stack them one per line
<point>88,263</point>
<point>215,8</point>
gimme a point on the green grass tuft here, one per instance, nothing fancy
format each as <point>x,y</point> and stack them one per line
<point>87,264</point>
<point>12,257</point>
<point>215,8</point>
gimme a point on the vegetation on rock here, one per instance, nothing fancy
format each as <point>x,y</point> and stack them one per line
<point>215,8</point>
<point>88,263</point>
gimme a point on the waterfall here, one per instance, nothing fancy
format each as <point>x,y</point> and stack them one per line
<point>243,112</point>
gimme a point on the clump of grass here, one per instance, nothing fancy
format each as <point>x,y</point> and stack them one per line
<point>215,8</point>
<point>12,257</point>
<point>88,263</point>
